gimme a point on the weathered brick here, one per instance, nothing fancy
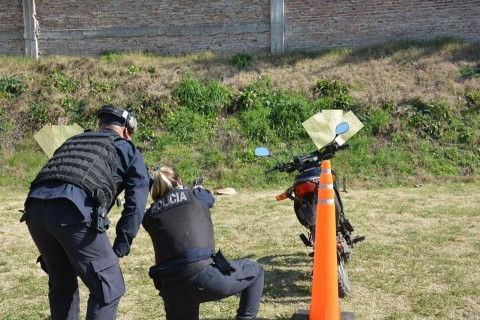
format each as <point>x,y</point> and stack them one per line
<point>180,26</point>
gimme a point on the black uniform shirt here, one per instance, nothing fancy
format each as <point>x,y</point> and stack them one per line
<point>135,182</point>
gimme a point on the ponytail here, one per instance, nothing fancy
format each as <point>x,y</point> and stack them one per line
<point>164,179</point>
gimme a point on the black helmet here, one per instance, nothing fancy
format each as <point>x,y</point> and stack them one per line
<point>110,114</point>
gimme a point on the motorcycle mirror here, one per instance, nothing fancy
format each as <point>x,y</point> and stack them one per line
<point>342,128</point>
<point>262,152</point>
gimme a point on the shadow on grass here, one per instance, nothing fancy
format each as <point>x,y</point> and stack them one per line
<point>287,276</point>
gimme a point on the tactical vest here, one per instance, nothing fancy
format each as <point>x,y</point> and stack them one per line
<point>178,222</point>
<point>87,160</point>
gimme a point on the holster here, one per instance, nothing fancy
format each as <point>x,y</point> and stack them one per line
<point>222,263</point>
<point>100,221</point>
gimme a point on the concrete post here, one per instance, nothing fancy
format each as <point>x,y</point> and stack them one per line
<point>30,28</point>
<point>277,21</point>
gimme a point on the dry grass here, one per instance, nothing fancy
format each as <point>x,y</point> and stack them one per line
<point>419,261</point>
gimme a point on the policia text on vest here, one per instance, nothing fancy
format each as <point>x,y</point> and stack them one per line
<point>173,199</point>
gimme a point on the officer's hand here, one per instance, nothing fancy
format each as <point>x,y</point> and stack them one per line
<point>197,183</point>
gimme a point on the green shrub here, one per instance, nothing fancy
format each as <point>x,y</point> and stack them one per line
<point>470,71</point>
<point>182,158</point>
<point>324,103</point>
<point>38,114</point>
<point>206,98</point>
<point>151,69</point>
<point>255,126</point>
<point>189,126</point>
<point>110,56</point>
<point>336,89</point>
<point>331,88</point>
<point>254,94</point>
<point>189,93</point>
<point>217,96</point>
<point>132,69</point>
<point>344,102</point>
<point>466,136</point>
<point>270,113</point>
<point>473,99</point>
<point>57,79</point>
<point>7,125</point>
<point>378,121</point>
<point>99,87</point>
<point>148,111</point>
<point>67,102</point>
<point>74,110</point>
<point>288,113</point>
<point>211,158</point>
<point>431,119</point>
<point>12,86</point>
<point>242,60</point>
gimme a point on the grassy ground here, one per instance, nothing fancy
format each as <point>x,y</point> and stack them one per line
<point>419,261</point>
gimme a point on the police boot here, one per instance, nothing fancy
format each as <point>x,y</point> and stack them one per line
<point>246,318</point>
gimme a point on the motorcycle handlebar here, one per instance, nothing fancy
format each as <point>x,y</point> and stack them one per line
<point>309,159</point>
<point>344,146</point>
<point>271,170</point>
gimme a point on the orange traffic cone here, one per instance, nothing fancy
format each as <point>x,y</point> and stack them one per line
<point>325,305</point>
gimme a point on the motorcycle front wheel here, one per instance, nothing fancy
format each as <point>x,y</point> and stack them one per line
<point>343,281</point>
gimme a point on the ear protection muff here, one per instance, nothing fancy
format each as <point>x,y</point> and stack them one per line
<point>130,121</point>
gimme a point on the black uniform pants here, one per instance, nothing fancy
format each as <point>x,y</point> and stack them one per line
<point>75,250</point>
<point>182,301</point>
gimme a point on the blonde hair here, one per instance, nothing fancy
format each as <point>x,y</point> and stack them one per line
<point>164,179</point>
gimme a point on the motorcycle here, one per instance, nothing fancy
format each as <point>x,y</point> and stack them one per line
<point>303,192</point>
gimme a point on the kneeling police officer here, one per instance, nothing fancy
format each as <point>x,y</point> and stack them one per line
<point>66,214</point>
<point>187,270</point>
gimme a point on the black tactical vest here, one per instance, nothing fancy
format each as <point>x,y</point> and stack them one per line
<point>87,160</point>
<point>178,222</point>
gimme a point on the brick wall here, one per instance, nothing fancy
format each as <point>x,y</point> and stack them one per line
<point>11,28</point>
<point>313,24</point>
<point>179,26</point>
<point>166,27</point>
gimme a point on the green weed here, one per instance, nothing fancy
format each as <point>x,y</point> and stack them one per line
<point>242,60</point>
<point>12,86</point>
<point>470,71</point>
<point>473,99</point>
<point>206,98</point>
<point>101,87</point>
<point>379,121</point>
<point>38,114</point>
<point>133,69</point>
<point>57,79</point>
<point>110,56</point>
<point>189,126</point>
<point>331,88</point>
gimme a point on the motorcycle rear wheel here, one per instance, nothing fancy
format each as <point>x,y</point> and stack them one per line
<point>343,280</point>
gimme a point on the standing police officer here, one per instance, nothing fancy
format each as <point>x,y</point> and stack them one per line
<point>66,209</point>
<point>187,271</point>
